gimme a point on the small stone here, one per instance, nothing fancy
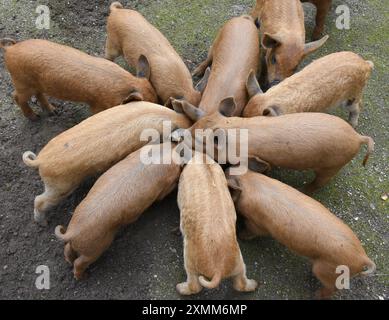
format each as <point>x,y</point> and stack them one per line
<point>385,196</point>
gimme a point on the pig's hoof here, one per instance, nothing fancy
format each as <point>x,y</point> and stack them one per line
<point>184,289</point>
<point>40,218</point>
<point>250,286</point>
<point>316,35</point>
<point>323,294</point>
<point>354,124</point>
<point>78,276</point>
<point>33,117</point>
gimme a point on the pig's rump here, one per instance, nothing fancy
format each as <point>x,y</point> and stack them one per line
<point>303,141</point>
<point>207,220</point>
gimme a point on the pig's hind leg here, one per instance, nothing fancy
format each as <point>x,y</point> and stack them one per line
<point>326,273</point>
<point>323,7</point>
<point>200,70</point>
<point>323,176</point>
<point>80,265</point>
<point>353,106</point>
<point>70,254</point>
<point>192,284</point>
<point>22,97</point>
<point>45,104</point>
<point>48,199</point>
<point>111,50</point>
<point>240,281</point>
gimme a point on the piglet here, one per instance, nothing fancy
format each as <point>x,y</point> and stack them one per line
<point>131,35</point>
<point>327,82</point>
<point>93,146</point>
<point>301,141</point>
<point>232,57</point>
<point>40,67</point>
<point>283,37</point>
<point>208,221</point>
<point>117,199</point>
<point>302,224</point>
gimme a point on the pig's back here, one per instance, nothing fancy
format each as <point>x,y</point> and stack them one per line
<point>208,217</point>
<point>116,130</point>
<point>303,141</point>
<point>62,70</point>
<point>139,35</point>
<point>235,54</point>
<point>300,222</point>
<point>124,192</point>
<point>327,81</point>
<point>169,74</point>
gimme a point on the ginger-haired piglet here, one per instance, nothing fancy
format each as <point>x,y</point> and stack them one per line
<point>208,221</point>
<point>271,208</point>
<point>282,33</point>
<point>40,67</point>
<point>131,35</point>
<point>301,141</point>
<point>117,199</point>
<point>232,57</point>
<point>327,82</point>
<point>94,145</point>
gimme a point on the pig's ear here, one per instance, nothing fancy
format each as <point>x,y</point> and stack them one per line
<point>313,46</point>
<point>258,165</point>
<point>252,85</point>
<point>182,106</point>
<point>204,81</point>
<point>235,188</point>
<point>143,69</point>
<point>227,107</point>
<point>134,96</point>
<point>271,41</point>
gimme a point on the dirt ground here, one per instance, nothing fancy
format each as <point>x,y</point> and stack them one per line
<point>145,261</point>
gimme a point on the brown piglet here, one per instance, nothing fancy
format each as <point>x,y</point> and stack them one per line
<point>117,199</point>
<point>327,82</point>
<point>208,220</point>
<point>232,57</point>
<point>283,37</point>
<point>40,67</point>
<point>301,141</point>
<point>131,35</point>
<point>94,145</point>
<point>271,208</point>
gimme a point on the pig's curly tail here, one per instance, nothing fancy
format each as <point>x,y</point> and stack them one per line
<point>115,5</point>
<point>6,42</point>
